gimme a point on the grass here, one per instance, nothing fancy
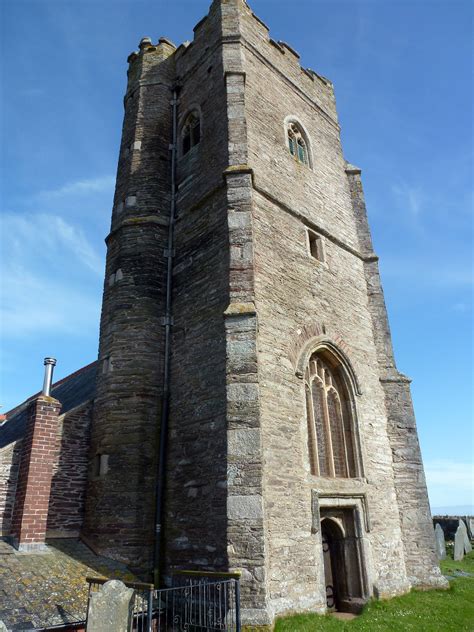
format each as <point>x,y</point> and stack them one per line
<point>421,611</point>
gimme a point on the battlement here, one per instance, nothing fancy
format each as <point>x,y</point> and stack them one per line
<point>146,45</point>
<point>247,24</point>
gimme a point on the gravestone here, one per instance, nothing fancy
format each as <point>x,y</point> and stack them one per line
<point>110,609</point>
<point>440,543</point>
<point>459,544</point>
<point>467,543</point>
<point>470,524</point>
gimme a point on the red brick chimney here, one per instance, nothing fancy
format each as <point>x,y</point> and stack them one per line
<point>38,455</point>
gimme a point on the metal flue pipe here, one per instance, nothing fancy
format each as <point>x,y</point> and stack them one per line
<point>49,364</point>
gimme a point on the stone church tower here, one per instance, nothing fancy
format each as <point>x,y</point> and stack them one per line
<point>249,414</point>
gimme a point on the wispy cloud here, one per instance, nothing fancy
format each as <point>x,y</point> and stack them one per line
<point>450,482</point>
<point>80,187</point>
<point>33,304</point>
<point>411,197</point>
<point>42,237</point>
<point>51,277</point>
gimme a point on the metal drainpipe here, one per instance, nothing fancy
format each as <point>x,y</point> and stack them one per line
<point>160,480</point>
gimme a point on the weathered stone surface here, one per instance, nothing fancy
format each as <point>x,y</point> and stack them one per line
<point>111,608</point>
<point>459,544</point>
<point>467,543</point>
<point>244,507</point>
<point>440,542</point>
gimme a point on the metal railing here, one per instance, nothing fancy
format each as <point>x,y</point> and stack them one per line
<point>198,604</point>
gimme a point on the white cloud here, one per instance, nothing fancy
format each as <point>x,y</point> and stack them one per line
<point>33,304</point>
<point>37,238</point>
<point>450,482</point>
<point>80,187</point>
<point>51,277</point>
<point>410,197</point>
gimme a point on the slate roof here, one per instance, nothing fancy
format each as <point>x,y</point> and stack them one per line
<point>71,391</point>
<point>39,590</point>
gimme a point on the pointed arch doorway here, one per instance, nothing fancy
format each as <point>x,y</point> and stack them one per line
<point>344,575</point>
<point>334,573</point>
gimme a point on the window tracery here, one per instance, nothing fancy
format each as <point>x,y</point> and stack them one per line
<point>191,132</point>
<point>297,144</point>
<point>330,427</point>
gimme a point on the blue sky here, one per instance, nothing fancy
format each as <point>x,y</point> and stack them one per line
<point>403,77</point>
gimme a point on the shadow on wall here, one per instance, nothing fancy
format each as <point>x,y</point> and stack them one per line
<point>68,486</point>
<point>9,467</point>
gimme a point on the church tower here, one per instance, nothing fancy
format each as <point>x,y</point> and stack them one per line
<point>249,413</point>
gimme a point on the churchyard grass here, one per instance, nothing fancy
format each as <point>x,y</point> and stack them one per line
<point>421,611</point>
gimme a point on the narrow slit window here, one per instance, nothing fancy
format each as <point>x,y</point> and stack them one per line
<point>101,465</point>
<point>191,134</point>
<point>316,246</point>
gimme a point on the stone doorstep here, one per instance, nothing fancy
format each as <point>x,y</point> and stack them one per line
<point>344,616</point>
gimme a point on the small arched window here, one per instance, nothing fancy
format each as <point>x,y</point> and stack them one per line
<point>191,132</point>
<point>330,419</point>
<point>297,143</point>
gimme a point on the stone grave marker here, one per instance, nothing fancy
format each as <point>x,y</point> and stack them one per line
<point>459,544</point>
<point>467,543</point>
<point>440,543</point>
<point>110,609</point>
<point>470,524</point>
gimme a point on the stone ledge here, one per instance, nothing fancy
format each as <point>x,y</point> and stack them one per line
<point>240,309</point>
<point>235,170</point>
<point>138,221</point>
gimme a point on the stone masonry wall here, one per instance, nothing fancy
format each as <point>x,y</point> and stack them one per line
<point>195,501</point>
<point>9,464</point>
<point>68,486</point>
<point>294,292</point>
<point>214,453</point>
<point>119,519</point>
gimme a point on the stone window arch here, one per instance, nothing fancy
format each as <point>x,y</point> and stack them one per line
<point>330,413</point>
<point>190,132</point>
<point>297,142</point>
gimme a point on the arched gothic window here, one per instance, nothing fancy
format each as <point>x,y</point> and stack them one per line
<point>191,132</point>
<point>297,144</point>
<point>330,420</point>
